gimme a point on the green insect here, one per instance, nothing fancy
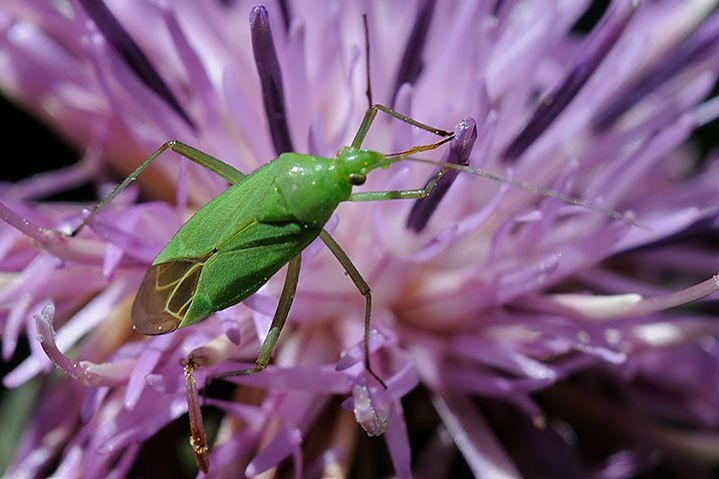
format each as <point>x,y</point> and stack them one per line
<point>232,246</point>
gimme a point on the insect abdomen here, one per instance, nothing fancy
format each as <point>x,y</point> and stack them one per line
<point>226,277</point>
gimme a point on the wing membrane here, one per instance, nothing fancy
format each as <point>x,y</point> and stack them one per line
<point>165,294</point>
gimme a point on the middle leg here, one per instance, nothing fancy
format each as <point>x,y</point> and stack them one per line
<point>278,321</point>
<point>363,288</point>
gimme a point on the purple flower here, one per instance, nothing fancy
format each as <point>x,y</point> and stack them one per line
<point>517,335</point>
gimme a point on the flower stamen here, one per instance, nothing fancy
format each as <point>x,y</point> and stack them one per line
<point>584,64</point>
<point>458,153</point>
<point>411,64</point>
<point>268,68</point>
<point>131,53</point>
<point>695,48</point>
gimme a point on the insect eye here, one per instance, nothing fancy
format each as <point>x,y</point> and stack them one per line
<point>356,179</point>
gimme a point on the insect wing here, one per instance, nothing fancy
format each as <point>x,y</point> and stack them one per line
<point>165,294</point>
<point>226,214</point>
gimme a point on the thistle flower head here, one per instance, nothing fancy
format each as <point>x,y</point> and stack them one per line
<point>507,326</point>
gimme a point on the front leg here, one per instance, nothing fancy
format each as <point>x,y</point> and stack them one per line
<point>399,194</point>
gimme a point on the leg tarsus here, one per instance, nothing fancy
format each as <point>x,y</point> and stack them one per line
<point>243,372</point>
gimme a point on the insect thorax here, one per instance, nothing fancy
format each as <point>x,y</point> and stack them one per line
<point>310,186</point>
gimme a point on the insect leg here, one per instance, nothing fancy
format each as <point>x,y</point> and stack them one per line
<point>363,288</point>
<point>198,438</point>
<point>375,107</point>
<point>371,113</point>
<point>397,194</point>
<point>404,194</point>
<point>203,159</point>
<point>283,309</point>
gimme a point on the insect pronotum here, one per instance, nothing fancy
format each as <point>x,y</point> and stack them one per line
<point>217,259</point>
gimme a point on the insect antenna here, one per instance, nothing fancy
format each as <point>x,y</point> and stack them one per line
<point>402,155</point>
<point>366,48</point>
<point>499,178</point>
